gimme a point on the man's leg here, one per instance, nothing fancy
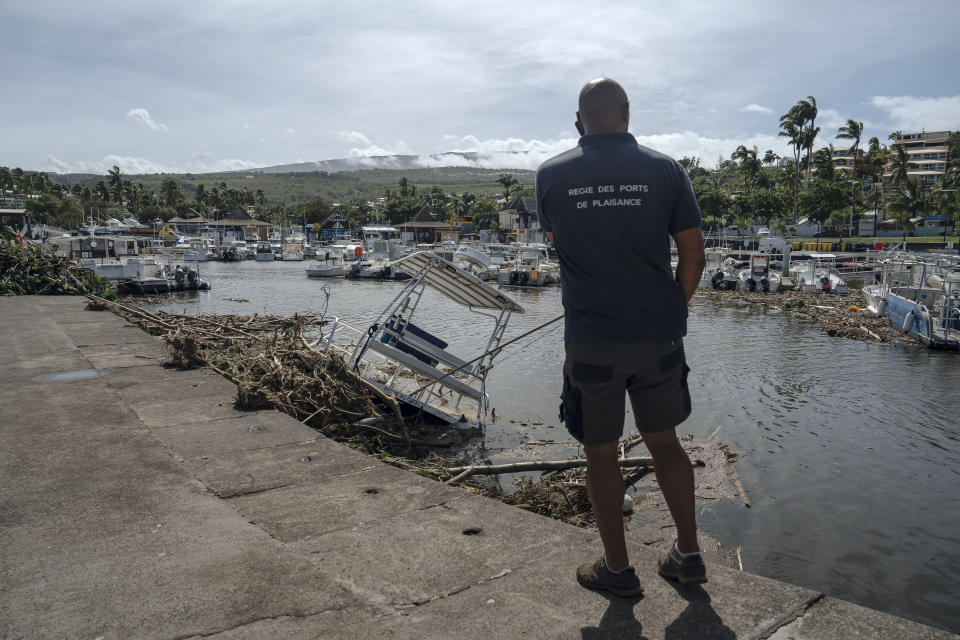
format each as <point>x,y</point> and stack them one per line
<point>605,486</point>
<point>675,476</point>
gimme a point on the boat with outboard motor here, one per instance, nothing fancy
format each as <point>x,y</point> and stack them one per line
<point>375,270</point>
<point>759,277</point>
<point>397,356</point>
<point>531,267</point>
<point>723,276</point>
<point>264,252</point>
<point>819,274</point>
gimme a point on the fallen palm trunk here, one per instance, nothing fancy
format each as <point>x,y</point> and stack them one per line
<point>545,465</point>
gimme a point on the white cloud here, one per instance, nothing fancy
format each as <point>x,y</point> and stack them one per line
<point>371,149</point>
<point>246,125</point>
<point>202,162</point>
<point>133,164</point>
<point>756,108</point>
<point>517,153</point>
<point>355,136</point>
<point>143,117</point>
<point>912,113</point>
<point>287,130</point>
<point>56,165</point>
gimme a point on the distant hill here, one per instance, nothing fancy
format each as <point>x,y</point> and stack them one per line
<point>342,179</point>
<point>465,160</point>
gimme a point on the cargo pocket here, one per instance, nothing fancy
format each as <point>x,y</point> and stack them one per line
<point>685,389</point>
<point>571,409</point>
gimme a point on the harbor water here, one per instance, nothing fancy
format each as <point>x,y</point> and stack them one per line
<point>848,451</point>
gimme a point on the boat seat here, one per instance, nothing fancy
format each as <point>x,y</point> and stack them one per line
<point>432,351</point>
<point>418,366</point>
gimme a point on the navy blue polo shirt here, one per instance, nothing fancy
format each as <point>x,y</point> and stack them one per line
<point>611,205</point>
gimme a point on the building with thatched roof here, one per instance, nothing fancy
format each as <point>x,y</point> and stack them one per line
<point>188,221</point>
<point>422,227</point>
<point>241,223</point>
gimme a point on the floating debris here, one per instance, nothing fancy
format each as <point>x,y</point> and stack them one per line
<point>841,315</point>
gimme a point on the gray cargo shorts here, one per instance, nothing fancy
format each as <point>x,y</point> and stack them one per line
<point>596,376</point>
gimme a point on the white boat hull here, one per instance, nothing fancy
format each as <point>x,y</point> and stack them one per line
<point>325,272</point>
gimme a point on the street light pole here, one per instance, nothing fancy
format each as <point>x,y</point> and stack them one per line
<point>853,201</point>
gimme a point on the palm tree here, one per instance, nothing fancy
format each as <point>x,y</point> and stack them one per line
<point>102,192</point>
<point>823,159</point>
<point>793,131</point>
<point>747,164</point>
<point>261,197</point>
<point>770,157</point>
<point>895,135</point>
<point>201,196</point>
<point>115,181</point>
<point>808,111</point>
<point>836,219</point>
<point>853,130</point>
<point>171,192</point>
<point>909,202</point>
<point>507,182</point>
<point>899,165</point>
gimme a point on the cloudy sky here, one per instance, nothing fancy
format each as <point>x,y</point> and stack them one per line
<point>215,85</point>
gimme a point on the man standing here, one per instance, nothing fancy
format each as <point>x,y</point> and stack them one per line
<point>610,207</point>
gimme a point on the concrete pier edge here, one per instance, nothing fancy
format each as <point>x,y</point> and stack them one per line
<point>136,502</point>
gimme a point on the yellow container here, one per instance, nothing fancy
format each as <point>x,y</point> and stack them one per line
<point>534,274</point>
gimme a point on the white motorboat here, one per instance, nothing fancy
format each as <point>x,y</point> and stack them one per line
<point>264,252</point>
<point>412,364</point>
<point>376,270</point>
<point>530,268</point>
<point>819,275</point>
<point>758,277</point>
<point>329,267</point>
<point>723,276</point>
<point>292,251</point>
<point>235,251</point>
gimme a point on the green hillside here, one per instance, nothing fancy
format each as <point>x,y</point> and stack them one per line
<point>289,188</point>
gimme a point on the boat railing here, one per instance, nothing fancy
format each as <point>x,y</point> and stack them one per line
<point>385,363</point>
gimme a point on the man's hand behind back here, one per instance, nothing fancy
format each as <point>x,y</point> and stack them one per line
<point>691,260</point>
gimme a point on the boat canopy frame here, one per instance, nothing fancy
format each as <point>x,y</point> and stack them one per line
<point>430,270</point>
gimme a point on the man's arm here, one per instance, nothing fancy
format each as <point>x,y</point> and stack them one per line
<point>691,259</point>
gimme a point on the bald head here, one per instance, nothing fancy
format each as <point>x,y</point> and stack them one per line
<point>603,106</point>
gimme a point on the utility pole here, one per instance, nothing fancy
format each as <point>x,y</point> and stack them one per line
<point>853,201</point>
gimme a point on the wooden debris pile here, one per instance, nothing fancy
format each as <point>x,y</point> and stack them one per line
<point>31,269</point>
<point>274,364</point>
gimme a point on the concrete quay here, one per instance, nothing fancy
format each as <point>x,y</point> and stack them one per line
<point>136,502</point>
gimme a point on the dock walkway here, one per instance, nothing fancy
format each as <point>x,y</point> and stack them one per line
<point>136,502</point>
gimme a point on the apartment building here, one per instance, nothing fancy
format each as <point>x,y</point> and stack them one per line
<point>929,156</point>
<point>844,159</point>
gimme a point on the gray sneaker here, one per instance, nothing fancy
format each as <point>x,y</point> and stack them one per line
<point>596,576</point>
<point>684,570</point>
